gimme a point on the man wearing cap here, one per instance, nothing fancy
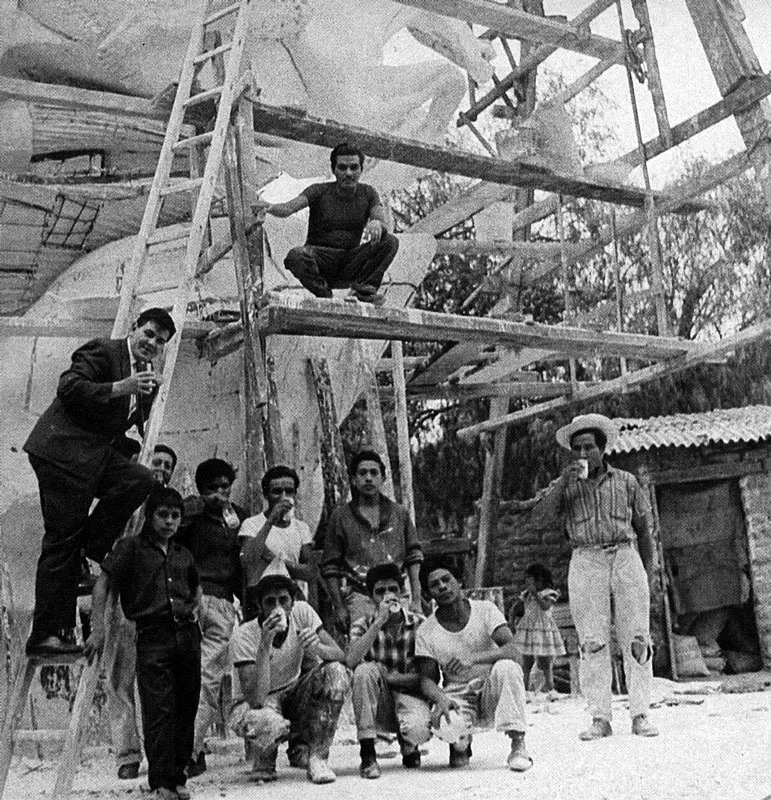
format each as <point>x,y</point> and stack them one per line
<point>609,525</point>
<point>289,680</point>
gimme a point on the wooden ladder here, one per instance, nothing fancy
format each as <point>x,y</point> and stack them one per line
<point>229,142</point>
<point>72,735</point>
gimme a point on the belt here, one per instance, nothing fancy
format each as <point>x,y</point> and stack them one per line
<point>606,546</point>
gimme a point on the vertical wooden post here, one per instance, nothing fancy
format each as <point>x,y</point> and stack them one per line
<point>617,280</point>
<point>565,281</point>
<point>376,430</point>
<point>657,275</point>
<point>640,8</point>
<point>499,406</point>
<point>402,426</point>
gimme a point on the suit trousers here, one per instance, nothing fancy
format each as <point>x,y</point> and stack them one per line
<point>121,486</point>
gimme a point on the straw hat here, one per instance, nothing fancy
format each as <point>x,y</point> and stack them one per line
<point>585,422</point>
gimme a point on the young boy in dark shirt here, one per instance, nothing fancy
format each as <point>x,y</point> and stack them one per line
<point>157,582</point>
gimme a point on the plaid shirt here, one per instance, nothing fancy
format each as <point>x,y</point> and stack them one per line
<point>609,509</point>
<point>395,650</point>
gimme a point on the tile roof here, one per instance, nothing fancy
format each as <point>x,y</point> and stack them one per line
<point>725,426</point>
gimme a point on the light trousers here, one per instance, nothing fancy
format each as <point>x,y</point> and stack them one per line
<point>595,576</point>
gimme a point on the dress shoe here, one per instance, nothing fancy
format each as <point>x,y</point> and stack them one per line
<point>196,766</point>
<point>599,729</point>
<point>127,772</point>
<point>52,646</point>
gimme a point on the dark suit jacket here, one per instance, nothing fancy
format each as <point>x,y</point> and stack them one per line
<point>84,423</point>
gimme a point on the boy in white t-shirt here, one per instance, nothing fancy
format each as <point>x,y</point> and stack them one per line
<point>275,542</point>
<point>289,680</point>
<point>473,647</point>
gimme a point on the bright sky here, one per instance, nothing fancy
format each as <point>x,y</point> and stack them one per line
<point>689,86</point>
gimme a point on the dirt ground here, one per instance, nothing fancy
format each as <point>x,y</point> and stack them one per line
<point>713,746</point>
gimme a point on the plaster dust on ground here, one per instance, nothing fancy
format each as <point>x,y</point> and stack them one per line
<point>712,746</point>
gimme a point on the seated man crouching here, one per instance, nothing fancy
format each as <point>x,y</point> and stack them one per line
<point>470,642</point>
<point>271,690</point>
<point>386,680</point>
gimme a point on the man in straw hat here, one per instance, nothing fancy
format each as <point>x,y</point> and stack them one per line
<point>608,523</point>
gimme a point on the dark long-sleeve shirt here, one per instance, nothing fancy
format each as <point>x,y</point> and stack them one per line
<point>216,552</point>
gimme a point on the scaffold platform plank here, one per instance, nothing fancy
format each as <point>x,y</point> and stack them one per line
<point>291,123</point>
<point>338,318</point>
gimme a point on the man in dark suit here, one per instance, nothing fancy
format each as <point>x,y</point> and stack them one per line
<point>76,450</point>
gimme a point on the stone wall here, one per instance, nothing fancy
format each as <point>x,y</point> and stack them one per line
<point>756,499</point>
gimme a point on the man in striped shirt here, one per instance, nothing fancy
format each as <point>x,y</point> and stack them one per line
<point>609,525</point>
<point>386,680</point>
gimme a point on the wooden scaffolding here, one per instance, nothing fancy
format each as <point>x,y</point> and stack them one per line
<point>489,356</point>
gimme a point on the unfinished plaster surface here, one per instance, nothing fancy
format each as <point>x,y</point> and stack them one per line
<point>324,56</point>
<point>204,415</point>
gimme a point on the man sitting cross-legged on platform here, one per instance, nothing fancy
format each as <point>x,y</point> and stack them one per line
<point>288,674</point>
<point>386,680</point>
<point>347,243</point>
<point>470,642</point>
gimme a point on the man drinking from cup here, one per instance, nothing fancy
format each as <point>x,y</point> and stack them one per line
<point>608,523</point>
<point>275,542</point>
<point>289,680</point>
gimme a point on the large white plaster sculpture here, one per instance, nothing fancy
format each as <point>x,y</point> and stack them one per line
<point>323,56</point>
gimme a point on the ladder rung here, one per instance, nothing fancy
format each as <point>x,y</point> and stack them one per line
<point>54,661</point>
<point>209,54</point>
<point>192,141</point>
<point>169,233</point>
<point>181,186</point>
<point>223,12</point>
<point>202,97</point>
<point>39,735</point>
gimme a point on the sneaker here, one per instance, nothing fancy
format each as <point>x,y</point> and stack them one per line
<point>599,729</point>
<point>319,771</point>
<point>519,759</point>
<point>127,772</point>
<point>183,793</point>
<point>642,726</point>
<point>196,766</point>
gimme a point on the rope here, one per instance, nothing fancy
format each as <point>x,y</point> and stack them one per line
<point>657,277</point>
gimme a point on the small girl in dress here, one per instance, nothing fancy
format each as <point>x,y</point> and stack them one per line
<point>537,635</point>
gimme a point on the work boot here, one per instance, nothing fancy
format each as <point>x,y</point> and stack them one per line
<point>519,759</point>
<point>369,768</point>
<point>642,726</point>
<point>599,729</point>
